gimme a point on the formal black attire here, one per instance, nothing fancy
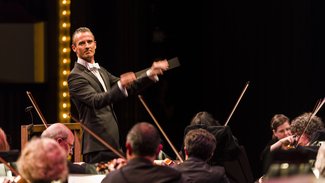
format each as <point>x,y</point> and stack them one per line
<point>228,154</point>
<point>84,168</point>
<point>227,145</point>
<point>95,108</point>
<point>140,170</point>
<point>195,170</point>
<point>265,156</point>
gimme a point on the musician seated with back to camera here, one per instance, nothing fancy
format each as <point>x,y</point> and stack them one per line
<point>228,147</point>
<point>199,146</point>
<point>142,147</point>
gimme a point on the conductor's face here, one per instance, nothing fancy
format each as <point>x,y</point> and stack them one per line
<point>84,45</point>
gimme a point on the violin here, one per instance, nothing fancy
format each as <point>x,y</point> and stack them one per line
<point>107,167</point>
<point>167,162</point>
<point>18,178</point>
<point>103,168</point>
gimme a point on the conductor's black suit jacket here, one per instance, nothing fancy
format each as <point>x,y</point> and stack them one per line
<point>95,106</point>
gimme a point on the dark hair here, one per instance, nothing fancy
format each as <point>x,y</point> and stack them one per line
<point>278,120</point>
<point>144,139</point>
<point>200,143</point>
<point>299,124</point>
<point>204,118</point>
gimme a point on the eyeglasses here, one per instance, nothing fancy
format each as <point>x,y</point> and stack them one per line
<point>65,142</point>
<point>71,146</point>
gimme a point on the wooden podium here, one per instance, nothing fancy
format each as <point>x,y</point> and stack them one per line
<point>28,131</point>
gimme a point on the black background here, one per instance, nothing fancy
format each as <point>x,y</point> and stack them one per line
<point>276,46</point>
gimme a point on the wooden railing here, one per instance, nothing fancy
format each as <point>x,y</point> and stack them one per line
<point>28,131</point>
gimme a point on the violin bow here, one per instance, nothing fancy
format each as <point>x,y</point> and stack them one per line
<point>10,167</point>
<point>19,178</point>
<point>161,130</point>
<point>317,107</point>
<point>241,95</point>
<point>31,98</point>
<point>98,138</point>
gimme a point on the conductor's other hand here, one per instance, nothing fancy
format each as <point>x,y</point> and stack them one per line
<point>127,79</point>
<point>158,68</point>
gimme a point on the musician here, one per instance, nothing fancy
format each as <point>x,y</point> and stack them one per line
<point>64,136</point>
<point>94,90</point>
<point>199,146</point>
<point>142,147</point>
<point>281,138</point>
<point>228,153</point>
<point>320,161</point>
<point>4,145</point>
<point>228,147</point>
<point>43,160</point>
<point>301,151</point>
<point>306,129</point>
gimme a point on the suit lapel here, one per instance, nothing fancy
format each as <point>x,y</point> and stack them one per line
<point>91,78</point>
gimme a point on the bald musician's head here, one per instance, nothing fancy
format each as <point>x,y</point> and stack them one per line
<point>62,134</point>
<point>143,140</point>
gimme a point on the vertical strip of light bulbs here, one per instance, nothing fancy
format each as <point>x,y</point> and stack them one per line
<point>64,60</point>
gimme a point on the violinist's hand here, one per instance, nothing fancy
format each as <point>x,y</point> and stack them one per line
<point>127,79</point>
<point>165,162</point>
<point>284,143</point>
<point>159,162</point>
<point>10,180</point>
<point>116,164</point>
<point>287,142</point>
<point>158,68</point>
<point>6,180</point>
<point>120,162</point>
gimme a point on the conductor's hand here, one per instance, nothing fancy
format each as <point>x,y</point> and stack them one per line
<point>127,79</point>
<point>158,68</point>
